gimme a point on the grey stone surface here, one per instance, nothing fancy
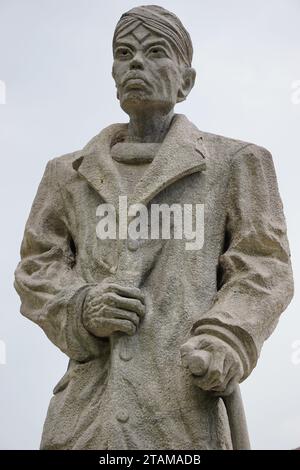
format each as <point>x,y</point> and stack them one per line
<point>155,333</point>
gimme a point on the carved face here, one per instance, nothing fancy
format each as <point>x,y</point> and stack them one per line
<point>148,73</point>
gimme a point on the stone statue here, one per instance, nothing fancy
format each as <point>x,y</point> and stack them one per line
<point>155,332</point>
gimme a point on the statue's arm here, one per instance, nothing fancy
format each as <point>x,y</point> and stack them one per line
<point>255,269</point>
<point>51,292</point>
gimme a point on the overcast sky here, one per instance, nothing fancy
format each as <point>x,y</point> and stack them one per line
<point>55,60</point>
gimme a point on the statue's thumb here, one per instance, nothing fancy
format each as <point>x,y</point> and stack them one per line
<point>197,361</point>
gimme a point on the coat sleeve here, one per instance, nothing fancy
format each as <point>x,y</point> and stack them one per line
<point>255,269</point>
<point>51,292</point>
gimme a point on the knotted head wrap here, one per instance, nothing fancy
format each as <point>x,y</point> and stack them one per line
<point>161,21</point>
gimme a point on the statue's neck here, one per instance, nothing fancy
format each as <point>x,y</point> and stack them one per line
<point>149,127</point>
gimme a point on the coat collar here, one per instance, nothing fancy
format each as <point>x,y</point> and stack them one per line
<point>181,153</point>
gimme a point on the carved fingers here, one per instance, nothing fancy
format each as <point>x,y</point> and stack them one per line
<point>111,307</point>
<point>214,364</point>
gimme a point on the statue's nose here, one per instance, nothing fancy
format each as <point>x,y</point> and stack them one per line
<point>137,62</point>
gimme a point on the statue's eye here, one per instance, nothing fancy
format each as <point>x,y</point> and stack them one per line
<point>123,53</point>
<point>157,52</point>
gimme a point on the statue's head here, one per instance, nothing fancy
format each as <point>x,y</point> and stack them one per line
<point>152,60</point>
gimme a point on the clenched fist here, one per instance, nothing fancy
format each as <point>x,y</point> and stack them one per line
<point>110,307</point>
<point>215,365</point>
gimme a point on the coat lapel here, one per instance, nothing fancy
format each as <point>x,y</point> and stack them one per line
<point>181,153</point>
<point>97,167</point>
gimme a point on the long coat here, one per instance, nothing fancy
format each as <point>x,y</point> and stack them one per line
<point>131,392</point>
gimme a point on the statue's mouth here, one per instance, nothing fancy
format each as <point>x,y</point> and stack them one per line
<point>135,80</point>
<point>135,83</point>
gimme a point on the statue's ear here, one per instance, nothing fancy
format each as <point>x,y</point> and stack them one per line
<point>187,83</point>
<point>113,75</point>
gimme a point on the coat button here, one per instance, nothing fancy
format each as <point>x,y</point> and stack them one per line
<point>125,354</point>
<point>132,244</point>
<point>122,416</point>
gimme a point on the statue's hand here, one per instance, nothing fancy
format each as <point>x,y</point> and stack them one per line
<point>215,365</point>
<point>110,307</point>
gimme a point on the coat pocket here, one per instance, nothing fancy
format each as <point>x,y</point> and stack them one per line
<point>63,382</point>
<point>72,369</point>
<point>81,372</point>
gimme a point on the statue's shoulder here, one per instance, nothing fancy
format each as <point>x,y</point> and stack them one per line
<point>220,146</point>
<point>62,166</point>
<point>66,165</point>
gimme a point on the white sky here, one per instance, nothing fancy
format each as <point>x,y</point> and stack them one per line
<point>55,59</point>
